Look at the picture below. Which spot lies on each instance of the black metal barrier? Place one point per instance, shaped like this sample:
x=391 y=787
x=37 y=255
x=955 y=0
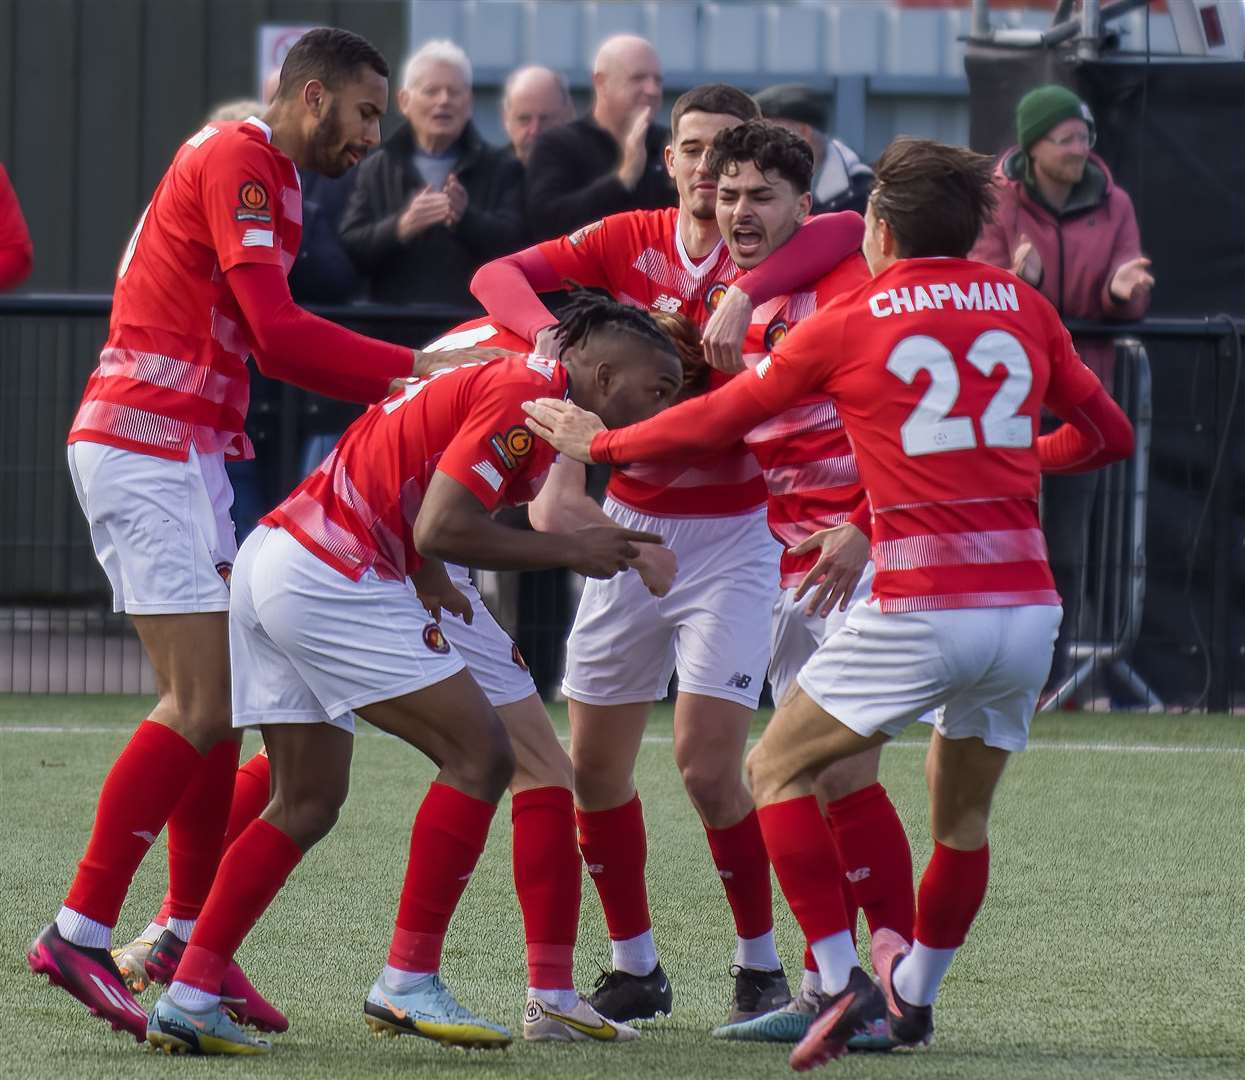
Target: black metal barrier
x=1163 y=623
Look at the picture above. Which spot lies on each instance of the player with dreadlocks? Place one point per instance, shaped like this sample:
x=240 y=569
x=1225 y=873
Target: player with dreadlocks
x=328 y=619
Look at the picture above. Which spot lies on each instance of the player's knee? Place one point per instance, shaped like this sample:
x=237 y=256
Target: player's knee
x=307 y=817
x=763 y=776
x=488 y=766
x=717 y=793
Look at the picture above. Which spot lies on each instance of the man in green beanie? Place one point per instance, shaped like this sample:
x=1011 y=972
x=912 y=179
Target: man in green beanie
x=1064 y=226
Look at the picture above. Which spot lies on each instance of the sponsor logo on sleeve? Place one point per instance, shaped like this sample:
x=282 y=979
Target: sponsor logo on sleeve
x=486 y=471
x=252 y=203
x=512 y=446
x=579 y=235
x=436 y=640
x=714 y=294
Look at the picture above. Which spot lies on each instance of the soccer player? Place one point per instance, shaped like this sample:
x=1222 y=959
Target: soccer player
x=324 y=624
x=625 y=642
x=201 y=284
x=939 y=367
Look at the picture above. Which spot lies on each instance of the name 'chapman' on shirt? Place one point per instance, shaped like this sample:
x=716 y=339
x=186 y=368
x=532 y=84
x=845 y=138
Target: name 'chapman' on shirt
x=978 y=296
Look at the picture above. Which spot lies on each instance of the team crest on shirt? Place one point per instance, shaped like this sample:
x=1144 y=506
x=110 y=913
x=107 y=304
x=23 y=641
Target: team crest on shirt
x=714 y=294
x=517 y=657
x=775 y=332
x=225 y=569
x=435 y=640
x=513 y=445
x=577 y=237
x=252 y=202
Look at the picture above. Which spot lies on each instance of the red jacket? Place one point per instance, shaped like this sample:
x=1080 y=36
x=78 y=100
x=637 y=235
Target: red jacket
x=1081 y=247
x=15 y=249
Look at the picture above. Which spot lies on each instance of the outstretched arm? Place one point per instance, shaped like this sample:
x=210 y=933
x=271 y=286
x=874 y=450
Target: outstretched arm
x=507 y=288
x=300 y=348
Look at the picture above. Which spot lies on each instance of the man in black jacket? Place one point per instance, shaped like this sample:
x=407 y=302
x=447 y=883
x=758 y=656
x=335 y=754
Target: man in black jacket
x=436 y=201
x=611 y=160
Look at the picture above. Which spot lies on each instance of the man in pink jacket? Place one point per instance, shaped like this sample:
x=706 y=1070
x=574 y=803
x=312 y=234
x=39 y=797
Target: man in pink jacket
x=1065 y=227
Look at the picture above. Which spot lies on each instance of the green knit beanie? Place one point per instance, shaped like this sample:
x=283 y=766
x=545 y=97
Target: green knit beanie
x=1041 y=109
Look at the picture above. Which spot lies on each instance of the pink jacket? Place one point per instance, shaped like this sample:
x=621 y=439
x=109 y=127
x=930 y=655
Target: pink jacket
x=1080 y=247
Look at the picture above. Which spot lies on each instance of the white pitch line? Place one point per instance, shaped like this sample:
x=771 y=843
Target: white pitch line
x=666 y=740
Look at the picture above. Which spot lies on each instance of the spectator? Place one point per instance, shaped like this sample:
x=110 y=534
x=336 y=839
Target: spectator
x=533 y=100
x=610 y=161
x=1065 y=227
x=436 y=200
x=16 y=252
x=841 y=181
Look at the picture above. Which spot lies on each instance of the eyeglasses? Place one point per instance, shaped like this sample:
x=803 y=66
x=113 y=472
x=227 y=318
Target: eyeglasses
x=1076 y=138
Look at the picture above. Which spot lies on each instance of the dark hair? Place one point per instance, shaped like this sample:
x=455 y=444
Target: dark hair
x=713 y=98
x=686 y=337
x=768 y=146
x=934 y=197
x=331 y=55
x=588 y=313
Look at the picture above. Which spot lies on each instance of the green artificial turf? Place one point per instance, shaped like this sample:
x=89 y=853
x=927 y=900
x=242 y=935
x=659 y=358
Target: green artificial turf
x=1109 y=946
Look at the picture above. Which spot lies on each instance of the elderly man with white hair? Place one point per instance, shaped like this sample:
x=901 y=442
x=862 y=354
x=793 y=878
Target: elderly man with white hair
x=533 y=100
x=610 y=160
x=435 y=201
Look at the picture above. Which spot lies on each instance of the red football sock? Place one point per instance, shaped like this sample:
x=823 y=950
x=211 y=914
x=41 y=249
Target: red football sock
x=197 y=830
x=446 y=841
x=952 y=890
x=139 y=793
x=251 y=793
x=615 y=850
x=548 y=880
x=876 y=858
x=743 y=866
x=250 y=875
x=802 y=852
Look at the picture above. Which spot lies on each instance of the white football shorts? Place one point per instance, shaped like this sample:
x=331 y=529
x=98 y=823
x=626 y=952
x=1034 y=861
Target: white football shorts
x=980 y=669
x=796 y=635
x=492 y=656
x=307 y=645
x=160 y=528
x=710 y=627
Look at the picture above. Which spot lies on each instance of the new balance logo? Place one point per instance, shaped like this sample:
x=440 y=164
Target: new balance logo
x=667 y=303
x=726 y=875
x=596 y=868
x=202 y=136
x=858 y=875
x=257 y=238
x=762 y=369
x=142 y=834
x=740 y=680
x=486 y=472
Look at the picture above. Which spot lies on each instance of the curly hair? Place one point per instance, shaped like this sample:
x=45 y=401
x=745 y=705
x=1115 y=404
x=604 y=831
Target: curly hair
x=589 y=313
x=686 y=337
x=766 y=145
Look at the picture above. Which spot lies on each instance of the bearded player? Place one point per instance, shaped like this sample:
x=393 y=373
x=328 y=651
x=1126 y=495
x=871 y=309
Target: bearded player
x=626 y=643
x=325 y=624
x=201 y=284
x=939 y=368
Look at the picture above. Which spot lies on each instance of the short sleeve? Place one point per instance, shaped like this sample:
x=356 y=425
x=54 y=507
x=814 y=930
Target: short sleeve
x=241 y=190
x=493 y=454
x=1071 y=382
x=587 y=256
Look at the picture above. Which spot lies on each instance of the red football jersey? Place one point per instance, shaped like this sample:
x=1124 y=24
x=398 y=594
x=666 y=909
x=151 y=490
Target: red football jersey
x=939 y=368
x=804 y=452
x=173 y=373
x=485 y=332
x=356 y=511
x=639 y=258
